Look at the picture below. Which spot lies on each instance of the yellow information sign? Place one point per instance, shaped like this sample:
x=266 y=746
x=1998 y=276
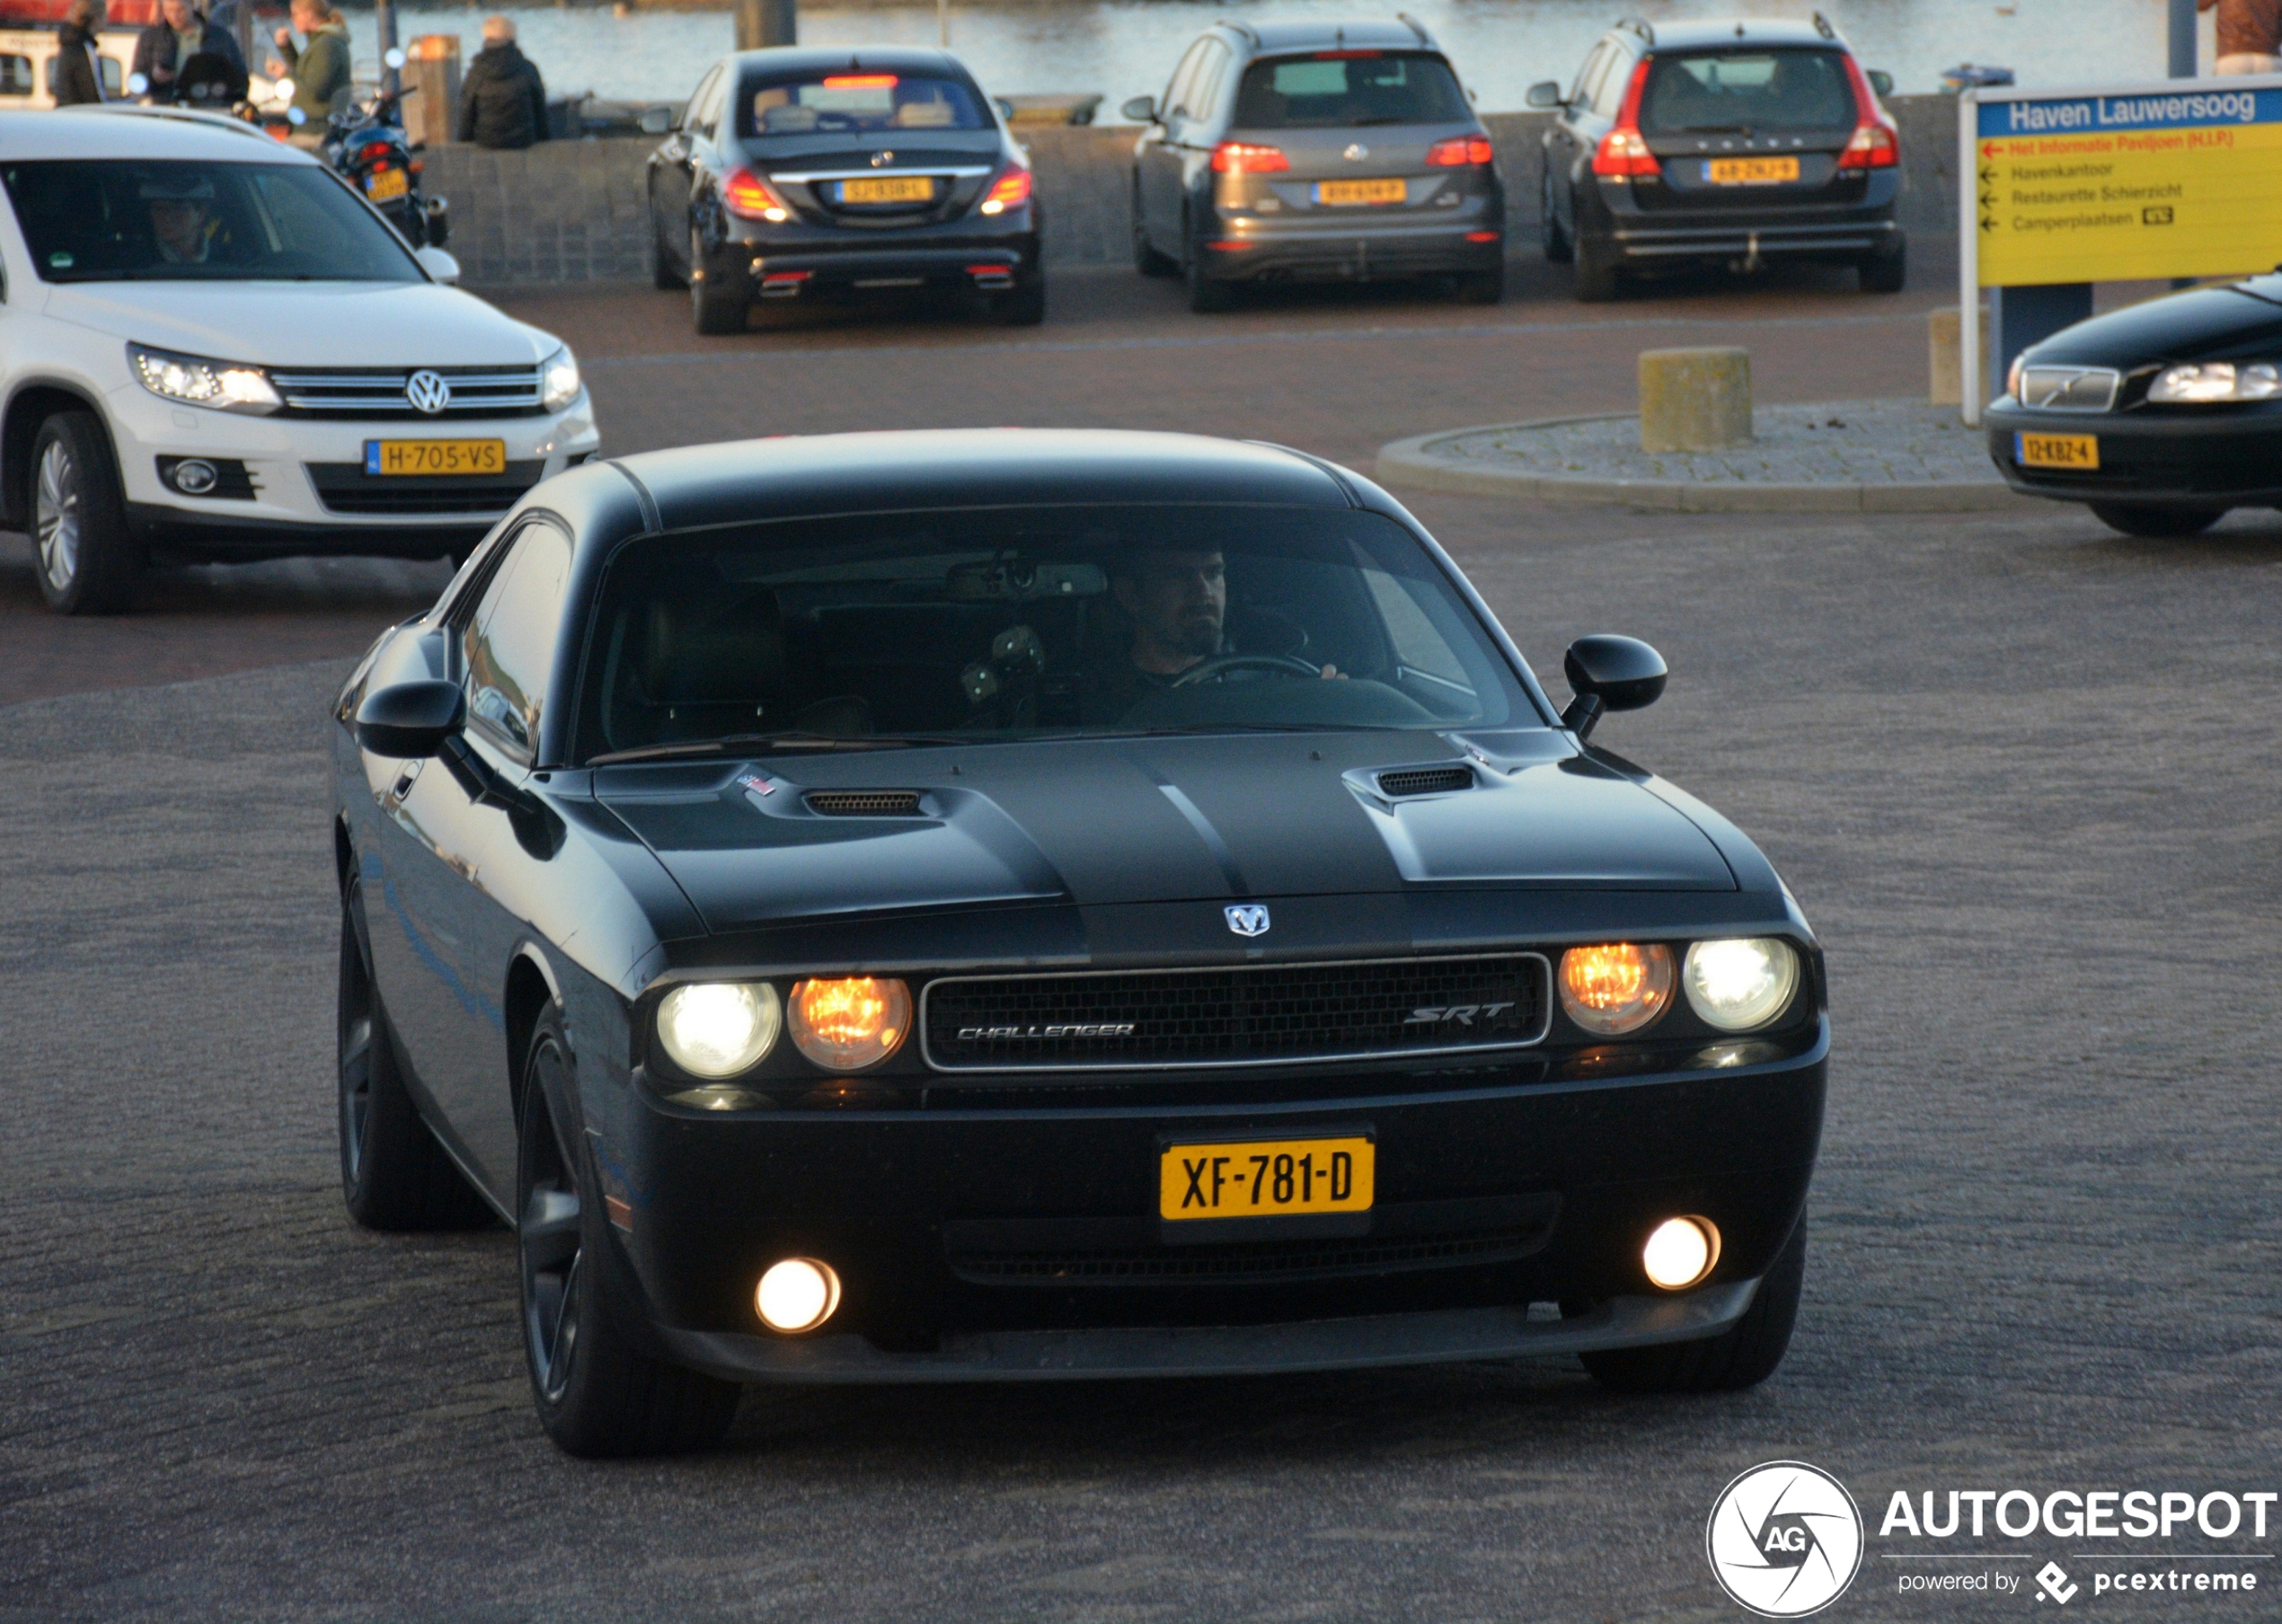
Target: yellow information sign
x=2182 y=179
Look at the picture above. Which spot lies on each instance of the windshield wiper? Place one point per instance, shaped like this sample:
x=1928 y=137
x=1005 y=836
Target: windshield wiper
x=760 y=743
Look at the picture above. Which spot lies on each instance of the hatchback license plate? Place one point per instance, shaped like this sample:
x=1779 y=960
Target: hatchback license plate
x=1361 y=192
x=435 y=456
x=1750 y=172
x=888 y=188
x=383 y=185
x=2071 y=451
x=1265 y=1177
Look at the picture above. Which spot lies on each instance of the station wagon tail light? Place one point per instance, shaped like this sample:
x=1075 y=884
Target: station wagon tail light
x=1459 y=151
x=851 y=1022
x=1624 y=152
x=1874 y=145
x=1010 y=191
x=194 y=381
x=1741 y=983
x=749 y=197
x=2216 y=381
x=1615 y=987
x=719 y=1029
x=1248 y=158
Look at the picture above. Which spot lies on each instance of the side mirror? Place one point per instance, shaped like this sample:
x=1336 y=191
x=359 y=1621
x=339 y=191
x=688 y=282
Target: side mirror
x=438 y=264
x=1545 y=96
x=1882 y=83
x=410 y=720
x=394 y=57
x=657 y=121
x=1005 y=108
x=1609 y=673
x=1141 y=109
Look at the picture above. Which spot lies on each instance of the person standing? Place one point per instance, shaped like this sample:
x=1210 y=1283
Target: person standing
x=2250 y=35
x=78 y=69
x=503 y=102
x=320 y=67
x=179 y=34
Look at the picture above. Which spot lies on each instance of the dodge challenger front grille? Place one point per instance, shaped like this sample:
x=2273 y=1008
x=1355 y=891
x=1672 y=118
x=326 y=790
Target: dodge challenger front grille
x=1248 y=1015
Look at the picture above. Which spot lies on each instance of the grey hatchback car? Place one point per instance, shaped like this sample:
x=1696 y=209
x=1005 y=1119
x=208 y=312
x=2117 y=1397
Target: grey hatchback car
x=1315 y=152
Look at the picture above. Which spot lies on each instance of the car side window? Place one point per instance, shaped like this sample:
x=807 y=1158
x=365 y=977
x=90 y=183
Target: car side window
x=1176 y=89
x=1581 y=94
x=508 y=645
x=1608 y=96
x=1206 y=96
x=697 y=118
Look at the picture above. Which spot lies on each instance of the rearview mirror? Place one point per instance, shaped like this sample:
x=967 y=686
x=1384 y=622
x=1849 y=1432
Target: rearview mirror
x=410 y=720
x=1546 y=95
x=1882 y=83
x=1141 y=109
x=439 y=265
x=1609 y=673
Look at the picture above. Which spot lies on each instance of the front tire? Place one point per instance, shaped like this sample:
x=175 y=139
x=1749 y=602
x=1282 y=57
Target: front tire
x=1558 y=249
x=88 y=564
x=2157 y=523
x=713 y=310
x=1743 y=1356
x=596 y=1394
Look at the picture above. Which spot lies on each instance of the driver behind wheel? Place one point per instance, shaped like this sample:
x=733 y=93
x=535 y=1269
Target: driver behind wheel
x=1178 y=603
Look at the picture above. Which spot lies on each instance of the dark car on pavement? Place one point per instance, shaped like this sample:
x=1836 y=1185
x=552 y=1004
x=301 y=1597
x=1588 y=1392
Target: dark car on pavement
x=2160 y=416
x=985 y=905
x=1742 y=144
x=831 y=174
x=1284 y=152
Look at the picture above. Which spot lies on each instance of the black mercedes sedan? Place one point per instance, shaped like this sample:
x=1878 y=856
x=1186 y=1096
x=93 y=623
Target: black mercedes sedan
x=2160 y=416
x=983 y=906
x=832 y=174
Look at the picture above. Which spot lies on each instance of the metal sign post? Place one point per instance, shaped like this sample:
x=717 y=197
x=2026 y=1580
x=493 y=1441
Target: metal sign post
x=2061 y=189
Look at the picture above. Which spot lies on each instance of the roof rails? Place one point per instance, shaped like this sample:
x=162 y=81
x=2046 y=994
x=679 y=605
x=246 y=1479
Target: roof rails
x=1245 y=29
x=1416 y=28
x=1647 y=34
x=1822 y=27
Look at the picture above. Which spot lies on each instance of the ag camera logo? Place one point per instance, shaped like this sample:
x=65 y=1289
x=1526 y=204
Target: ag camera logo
x=1785 y=1540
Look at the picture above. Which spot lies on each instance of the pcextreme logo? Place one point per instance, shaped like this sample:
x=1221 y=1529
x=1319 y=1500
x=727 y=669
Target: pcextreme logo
x=1784 y=1540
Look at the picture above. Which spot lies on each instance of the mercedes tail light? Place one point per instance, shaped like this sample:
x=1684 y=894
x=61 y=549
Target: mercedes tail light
x=1460 y=151
x=1875 y=144
x=749 y=197
x=1011 y=190
x=1247 y=158
x=1623 y=154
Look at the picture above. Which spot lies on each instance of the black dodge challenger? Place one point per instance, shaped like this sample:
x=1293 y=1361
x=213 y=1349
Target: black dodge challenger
x=973 y=905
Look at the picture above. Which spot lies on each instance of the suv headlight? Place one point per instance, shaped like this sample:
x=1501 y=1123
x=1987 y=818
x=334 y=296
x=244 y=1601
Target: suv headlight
x=194 y=381
x=559 y=380
x=2216 y=381
x=1740 y=982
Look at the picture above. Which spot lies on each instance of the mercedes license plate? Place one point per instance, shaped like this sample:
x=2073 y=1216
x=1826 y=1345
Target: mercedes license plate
x=1750 y=172
x=1361 y=192
x=888 y=188
x=2076 y=451
x=435 y=456
x=1265 y=1177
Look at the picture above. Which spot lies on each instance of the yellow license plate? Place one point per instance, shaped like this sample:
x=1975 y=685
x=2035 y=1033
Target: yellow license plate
x=383 y=184
x=1361 y=192
x=2075 y=451
x=1265 y=1179
x=435 y=456
x=888 y=188
x=1750 y=172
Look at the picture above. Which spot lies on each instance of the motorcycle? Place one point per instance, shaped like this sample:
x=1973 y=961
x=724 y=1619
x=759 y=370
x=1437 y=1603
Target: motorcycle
x=367 y=145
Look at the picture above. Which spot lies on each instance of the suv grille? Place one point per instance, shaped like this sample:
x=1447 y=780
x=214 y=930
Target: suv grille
x=863 y=803
x=1250 y=1016
x=1425 y=780
x=370 y=391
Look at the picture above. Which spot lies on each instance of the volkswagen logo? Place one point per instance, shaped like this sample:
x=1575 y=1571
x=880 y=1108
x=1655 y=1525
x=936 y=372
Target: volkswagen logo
x=882 y=158
x=1784 y=1540
x=429 y=391
x=1246 y=918
x=1356 y=152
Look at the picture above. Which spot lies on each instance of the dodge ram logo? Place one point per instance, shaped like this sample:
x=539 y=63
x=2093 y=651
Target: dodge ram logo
x=1247 y=918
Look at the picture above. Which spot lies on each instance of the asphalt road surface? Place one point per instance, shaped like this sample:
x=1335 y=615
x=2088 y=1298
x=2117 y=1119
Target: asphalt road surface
x=2019 y=771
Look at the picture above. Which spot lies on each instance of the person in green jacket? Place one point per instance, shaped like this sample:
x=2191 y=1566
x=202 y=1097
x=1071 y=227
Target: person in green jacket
x=320 y=68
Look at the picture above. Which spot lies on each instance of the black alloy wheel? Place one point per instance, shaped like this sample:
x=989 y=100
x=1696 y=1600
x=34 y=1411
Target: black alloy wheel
x=1147 y=259
x=1559 y=250
x=2157 y=523
x=1743 y=1356
x=86 y=561
x=597 y=1393
x=715 y=307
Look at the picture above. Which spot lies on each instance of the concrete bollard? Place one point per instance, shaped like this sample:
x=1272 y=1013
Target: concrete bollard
x=1942 y=353
x=1695 y=399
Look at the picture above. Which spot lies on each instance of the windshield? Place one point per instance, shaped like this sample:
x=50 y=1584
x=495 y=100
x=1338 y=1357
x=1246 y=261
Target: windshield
x=1746 y=90
x=1332 y=88
x=861 y=103
x=1022 y=623
x=118 y=220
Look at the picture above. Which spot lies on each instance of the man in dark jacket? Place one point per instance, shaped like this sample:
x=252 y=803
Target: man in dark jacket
x=170 y=43
x=2250 y=35
x=503 y=101
x=77 y=76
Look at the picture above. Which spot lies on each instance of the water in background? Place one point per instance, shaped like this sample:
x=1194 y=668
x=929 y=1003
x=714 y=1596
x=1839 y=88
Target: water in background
x=1126 y=47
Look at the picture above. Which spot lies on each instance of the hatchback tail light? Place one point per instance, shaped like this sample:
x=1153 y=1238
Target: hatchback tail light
x=749 y=197
x=1010 y=191
x=1875 y=144
x=1245 y=158
x=371 y=150
x=1459 y=151
x=1624 y=152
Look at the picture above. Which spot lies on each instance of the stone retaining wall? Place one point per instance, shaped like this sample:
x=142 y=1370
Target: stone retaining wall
x=572 y=211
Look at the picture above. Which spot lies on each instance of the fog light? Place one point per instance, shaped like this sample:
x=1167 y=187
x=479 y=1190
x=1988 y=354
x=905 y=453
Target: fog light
x=1680 y=1253
x=797 y=1295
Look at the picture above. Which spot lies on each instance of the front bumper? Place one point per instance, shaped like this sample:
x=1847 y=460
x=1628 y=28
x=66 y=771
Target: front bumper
x=2188 y=458
x=1023 y=1241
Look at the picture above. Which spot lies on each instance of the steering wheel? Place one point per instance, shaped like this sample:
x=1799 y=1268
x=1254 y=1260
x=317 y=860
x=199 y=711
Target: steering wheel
x=1213 y=670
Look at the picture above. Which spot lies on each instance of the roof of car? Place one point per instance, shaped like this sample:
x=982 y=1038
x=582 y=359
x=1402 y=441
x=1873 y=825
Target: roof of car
x=1330 y=35
x=1741 y=30
x=802 y=475
x=122 y=132
x=849 y=60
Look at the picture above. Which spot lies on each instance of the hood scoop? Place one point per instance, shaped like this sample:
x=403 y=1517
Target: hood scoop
x=1398 y=781
x=863 y=803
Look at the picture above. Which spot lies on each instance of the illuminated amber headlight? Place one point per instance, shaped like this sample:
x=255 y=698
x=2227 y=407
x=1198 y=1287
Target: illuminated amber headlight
x=850 y=1023
x=1741 y=983
x=718 y=1029
x=1615 y=987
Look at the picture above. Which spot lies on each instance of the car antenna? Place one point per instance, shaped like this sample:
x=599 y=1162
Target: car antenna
x=1822 y=27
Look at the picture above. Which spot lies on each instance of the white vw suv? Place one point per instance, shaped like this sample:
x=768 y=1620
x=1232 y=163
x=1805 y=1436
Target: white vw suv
x=212 y=349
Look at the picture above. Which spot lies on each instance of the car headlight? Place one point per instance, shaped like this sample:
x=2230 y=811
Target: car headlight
x=1615 y=987
x=559 y=380
x=2216 y=381
x=194 y=381
x=1741 y=983
x=852 y=1022
x=718 y=1029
